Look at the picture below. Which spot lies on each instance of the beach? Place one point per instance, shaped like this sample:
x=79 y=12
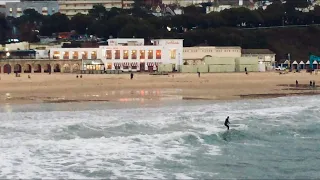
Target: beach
x=59 y=88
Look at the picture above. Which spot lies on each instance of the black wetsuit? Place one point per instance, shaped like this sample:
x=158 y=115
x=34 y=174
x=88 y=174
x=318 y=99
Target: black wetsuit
x=226 y=123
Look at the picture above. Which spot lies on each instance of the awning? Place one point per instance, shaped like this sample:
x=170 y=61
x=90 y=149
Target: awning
x=295 y=62
x=134 y=64
x=117 y=64
x=315 y=62
x=301 y=62
x=125 y=63
x=308 y=62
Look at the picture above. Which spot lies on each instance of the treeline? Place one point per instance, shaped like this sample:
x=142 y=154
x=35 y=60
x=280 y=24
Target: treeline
x=226 y=28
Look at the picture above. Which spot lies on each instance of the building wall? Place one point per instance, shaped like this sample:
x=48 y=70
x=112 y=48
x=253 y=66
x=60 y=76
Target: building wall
x=268 y=59
x=16 y=9
x=2 y=9
x=196 y=55
x=73 y=7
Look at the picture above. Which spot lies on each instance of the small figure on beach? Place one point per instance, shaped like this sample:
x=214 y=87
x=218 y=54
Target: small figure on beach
x=29 y=76
x=198 y=74
x=314 y=83
x=77 y=76
x=297 y=83
x=310 y=83
x=131 y=76
x=245 y=70
x=226 y=122
x=81 y=76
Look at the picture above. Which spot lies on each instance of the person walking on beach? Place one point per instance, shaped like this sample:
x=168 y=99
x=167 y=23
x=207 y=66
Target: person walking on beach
x=131 y=76
x=226 y=122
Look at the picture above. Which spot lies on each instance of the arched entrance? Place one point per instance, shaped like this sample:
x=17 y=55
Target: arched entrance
x=27 y=68
x=7 y=68
x=37 y=68
x=47 y=68
x=17 y=68
x=56 y=68
x=76 y=68
x=66 y=68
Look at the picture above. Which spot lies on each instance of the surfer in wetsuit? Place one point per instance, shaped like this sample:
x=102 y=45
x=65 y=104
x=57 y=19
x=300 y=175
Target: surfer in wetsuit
x=226 y=122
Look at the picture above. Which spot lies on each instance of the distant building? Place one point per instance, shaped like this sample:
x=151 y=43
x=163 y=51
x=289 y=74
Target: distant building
x=73 y=7
x=125 y=55
x=264 y=55
x=16 y=9
x=185 y=3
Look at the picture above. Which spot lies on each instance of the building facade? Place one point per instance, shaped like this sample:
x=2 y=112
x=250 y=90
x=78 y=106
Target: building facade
x=264 y=55
x=15 y=9
x=73 y=7
x=185 y=3
x=196 y=55
x=127 y=54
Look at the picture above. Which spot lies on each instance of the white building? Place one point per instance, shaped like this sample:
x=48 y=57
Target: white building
x=73 y=7
x=127 y=54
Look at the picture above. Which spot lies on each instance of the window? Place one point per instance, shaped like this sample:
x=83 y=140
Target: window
x=94 y=55
x=117 y=54
x=85 y=55
x=133 y=54
x=125 y=54
x=53 y=10
x=10 y=10
x=19 y=10
x=173 y=53
x=108 y=54
x=56 y=55
x=109 y=66
x=150 y=54
x=66 y=55
x=75 y=55
x=158 y=54
x=142 y=54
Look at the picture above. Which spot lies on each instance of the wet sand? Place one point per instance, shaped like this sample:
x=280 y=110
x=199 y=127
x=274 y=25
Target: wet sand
x=61 y=88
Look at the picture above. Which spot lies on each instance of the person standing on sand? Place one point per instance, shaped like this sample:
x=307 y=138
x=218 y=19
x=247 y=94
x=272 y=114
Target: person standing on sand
x=226 y=122
x=245 y=69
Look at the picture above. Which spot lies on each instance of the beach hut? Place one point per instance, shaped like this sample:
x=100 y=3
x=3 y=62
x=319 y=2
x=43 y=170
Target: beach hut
x=286 y=64
x=295 y=65
x=307 y=65
x=315 y=65
x=301 y=65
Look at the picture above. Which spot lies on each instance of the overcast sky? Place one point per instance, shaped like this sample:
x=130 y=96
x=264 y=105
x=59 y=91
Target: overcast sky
x=4 y=1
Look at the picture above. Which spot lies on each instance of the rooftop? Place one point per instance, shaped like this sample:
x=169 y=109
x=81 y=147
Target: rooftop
x=256 y=51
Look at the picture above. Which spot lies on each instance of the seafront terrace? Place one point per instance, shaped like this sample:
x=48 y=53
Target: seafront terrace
x=39 y=66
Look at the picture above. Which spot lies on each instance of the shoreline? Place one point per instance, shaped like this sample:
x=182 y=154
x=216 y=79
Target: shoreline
x=66 y=88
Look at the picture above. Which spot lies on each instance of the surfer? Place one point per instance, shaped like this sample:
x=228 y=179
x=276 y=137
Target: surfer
x=226 y=122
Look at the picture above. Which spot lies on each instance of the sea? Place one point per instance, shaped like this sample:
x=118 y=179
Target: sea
x=268 y=139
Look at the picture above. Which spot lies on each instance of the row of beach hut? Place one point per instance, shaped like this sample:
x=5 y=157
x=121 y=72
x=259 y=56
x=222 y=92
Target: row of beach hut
x=301 y=64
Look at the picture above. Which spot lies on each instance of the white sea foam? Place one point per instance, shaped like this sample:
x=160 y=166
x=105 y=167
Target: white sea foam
x=147 y=143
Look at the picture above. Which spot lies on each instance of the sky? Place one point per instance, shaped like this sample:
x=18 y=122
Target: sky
x=4 y=1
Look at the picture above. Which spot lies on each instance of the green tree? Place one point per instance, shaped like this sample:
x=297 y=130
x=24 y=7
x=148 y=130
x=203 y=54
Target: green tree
x=80 y=23
x=98 y=12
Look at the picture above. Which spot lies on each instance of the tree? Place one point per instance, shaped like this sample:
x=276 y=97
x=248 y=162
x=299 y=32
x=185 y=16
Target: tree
x=80 y=23
x=98 y=12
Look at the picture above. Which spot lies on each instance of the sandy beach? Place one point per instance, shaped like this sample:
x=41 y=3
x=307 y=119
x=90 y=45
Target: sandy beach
x=44 y=88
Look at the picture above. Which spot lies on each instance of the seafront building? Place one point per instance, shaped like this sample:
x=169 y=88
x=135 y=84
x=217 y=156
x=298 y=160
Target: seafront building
x=126 y=55
x=73 y=7
x=15 y=9
x=134 y=55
